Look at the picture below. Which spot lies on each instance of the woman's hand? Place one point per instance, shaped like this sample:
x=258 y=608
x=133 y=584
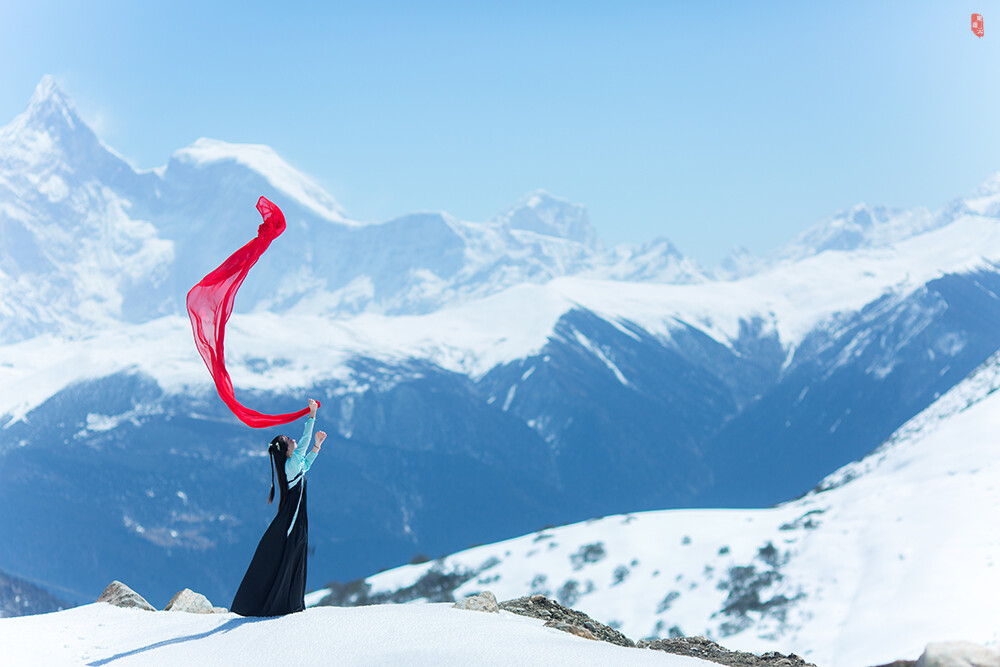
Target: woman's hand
x=320 y=437
x=313 y=407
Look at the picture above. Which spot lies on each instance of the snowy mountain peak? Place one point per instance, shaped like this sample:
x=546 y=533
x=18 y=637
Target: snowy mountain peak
x=49 y=102
x=990 y=186
x=50 y=113
x=861 y=226
x=49 y=134
x=846 y=230
x=543 y=213
x=739 y=263
x=266 y=162
x=48 y=90
x=985 y=200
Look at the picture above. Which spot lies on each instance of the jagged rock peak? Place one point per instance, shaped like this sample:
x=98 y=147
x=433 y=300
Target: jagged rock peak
x=544 y=213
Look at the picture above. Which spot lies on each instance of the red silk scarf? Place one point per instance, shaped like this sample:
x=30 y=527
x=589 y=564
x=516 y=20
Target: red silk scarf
x=210 y=303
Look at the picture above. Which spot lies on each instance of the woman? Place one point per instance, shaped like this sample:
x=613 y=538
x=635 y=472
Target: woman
x=275 y=582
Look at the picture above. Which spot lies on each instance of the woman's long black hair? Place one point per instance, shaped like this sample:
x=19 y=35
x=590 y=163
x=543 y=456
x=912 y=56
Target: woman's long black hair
x=279 y=454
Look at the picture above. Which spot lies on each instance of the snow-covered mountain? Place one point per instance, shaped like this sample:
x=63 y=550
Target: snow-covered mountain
x=71 y=257
x=544 y=214
x=864 y=226
x=479 y=380
x=886 y=554
x=860 y=227
x=87 y=240
x=21 y=598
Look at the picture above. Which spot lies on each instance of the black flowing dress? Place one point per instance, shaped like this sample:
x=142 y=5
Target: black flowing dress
x=275 y=582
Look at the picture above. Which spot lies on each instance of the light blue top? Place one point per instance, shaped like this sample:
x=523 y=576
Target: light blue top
x=300 y=461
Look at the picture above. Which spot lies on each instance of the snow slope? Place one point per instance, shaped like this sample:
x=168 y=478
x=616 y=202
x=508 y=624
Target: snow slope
x=891 y=552
x=99 y=634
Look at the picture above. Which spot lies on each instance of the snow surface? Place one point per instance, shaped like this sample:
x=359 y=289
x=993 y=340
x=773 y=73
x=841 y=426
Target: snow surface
x=421 y=634
x=900 y=549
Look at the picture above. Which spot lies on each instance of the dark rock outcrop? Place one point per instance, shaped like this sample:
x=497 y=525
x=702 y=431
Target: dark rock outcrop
x=577 y=630
x=568 y=620
x=576 y=622
x=706 y=649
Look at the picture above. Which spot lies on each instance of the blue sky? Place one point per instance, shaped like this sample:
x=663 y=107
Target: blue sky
x=712 y=124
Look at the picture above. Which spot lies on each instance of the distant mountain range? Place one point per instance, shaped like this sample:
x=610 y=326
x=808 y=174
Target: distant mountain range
x=21 y=598
x=103 y=242
x=479 y=380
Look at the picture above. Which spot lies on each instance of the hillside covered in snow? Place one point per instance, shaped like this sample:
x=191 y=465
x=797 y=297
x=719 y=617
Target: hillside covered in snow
x=888 y=553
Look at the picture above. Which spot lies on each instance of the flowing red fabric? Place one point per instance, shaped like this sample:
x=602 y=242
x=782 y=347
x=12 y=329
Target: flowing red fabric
x=210 y=303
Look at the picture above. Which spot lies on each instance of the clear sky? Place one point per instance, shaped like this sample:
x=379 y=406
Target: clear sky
x=710 y=123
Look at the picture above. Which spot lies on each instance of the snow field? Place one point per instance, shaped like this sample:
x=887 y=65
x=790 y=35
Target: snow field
x=418 y=635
